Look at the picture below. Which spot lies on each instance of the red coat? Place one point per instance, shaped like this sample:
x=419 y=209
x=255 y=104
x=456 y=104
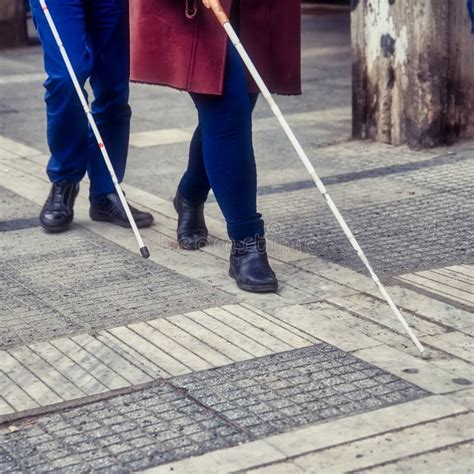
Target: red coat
x=189 y=54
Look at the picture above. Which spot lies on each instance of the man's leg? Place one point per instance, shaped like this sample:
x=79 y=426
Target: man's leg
x=67 y=128
x=109 y=42
x=66 y=122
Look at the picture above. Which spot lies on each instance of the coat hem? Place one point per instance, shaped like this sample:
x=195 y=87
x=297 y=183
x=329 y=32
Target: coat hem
x=185 y=89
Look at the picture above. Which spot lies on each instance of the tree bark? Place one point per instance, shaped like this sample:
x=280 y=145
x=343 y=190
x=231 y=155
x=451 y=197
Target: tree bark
x=12 y=23
x=413 y=71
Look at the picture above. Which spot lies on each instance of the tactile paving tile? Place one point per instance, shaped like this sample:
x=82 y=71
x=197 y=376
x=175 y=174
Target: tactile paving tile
x=16 y=213
x=202 y=412
x=398 y=237
x=55 y=285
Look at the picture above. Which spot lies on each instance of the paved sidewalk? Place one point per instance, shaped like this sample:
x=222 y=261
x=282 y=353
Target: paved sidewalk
x=110 y=363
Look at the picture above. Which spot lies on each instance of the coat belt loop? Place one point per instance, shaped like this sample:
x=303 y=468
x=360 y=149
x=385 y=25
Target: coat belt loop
x=191 y=11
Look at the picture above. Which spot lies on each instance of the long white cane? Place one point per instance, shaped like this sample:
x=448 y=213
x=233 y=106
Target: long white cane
x=143 y=249
x=224 y=20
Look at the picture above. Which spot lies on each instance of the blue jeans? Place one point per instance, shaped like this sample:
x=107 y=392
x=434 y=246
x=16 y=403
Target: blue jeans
x=221 y=153
x=95 y=34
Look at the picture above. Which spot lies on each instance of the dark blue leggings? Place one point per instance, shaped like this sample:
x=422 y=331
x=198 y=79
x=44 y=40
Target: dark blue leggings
x=221 y=154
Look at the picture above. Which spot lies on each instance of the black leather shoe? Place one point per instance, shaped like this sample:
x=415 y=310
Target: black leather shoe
x=58 y=210
x=250 y=268
x=192 y=231
x=110 y=209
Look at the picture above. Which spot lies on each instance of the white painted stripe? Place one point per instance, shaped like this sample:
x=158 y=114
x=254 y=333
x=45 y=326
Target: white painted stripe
x=22 y=78
x=160 y=137
x=172 y=136
x=16 y=148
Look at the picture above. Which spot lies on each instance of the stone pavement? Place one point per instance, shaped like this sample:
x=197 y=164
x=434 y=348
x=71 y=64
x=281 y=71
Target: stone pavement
x=109 y=363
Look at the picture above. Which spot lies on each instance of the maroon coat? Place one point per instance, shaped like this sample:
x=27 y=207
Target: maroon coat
x=189 y=54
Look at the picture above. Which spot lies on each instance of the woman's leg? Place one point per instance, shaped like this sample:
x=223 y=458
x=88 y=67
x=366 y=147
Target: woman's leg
x=194 y=185
x=227 y=151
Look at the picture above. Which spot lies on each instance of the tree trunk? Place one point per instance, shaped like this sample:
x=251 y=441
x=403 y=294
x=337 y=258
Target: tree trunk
x=12 y=23
x=413 y=71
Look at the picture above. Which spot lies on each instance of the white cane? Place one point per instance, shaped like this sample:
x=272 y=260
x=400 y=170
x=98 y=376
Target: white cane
x=224 y=20
x=143 y=249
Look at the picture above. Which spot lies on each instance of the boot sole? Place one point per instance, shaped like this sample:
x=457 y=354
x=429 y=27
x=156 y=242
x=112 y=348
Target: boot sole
x=193 y=246
x=57 y=229
x=126 y=225
x=254 y=288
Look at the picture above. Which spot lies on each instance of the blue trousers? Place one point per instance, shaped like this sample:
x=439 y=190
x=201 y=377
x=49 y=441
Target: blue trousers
x=221 y=154
x=95 y=34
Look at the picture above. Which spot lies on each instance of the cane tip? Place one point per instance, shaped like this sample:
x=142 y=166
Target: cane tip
x=145 y=252
x=425 y=354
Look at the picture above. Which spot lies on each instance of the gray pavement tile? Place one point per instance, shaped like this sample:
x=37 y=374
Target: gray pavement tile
x=77 y=282
x=398 y=237
x=166 y=434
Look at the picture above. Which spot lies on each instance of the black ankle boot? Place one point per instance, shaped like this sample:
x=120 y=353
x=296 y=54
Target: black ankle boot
x=192 y=231
x=58 y=210
x=109 y=209
x=250 y=268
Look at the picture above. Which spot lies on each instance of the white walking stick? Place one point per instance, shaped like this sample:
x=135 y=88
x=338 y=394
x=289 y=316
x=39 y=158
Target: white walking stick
x=143 y=249
x=224 y=20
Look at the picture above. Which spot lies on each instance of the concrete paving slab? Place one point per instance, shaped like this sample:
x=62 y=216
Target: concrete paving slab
x=322 y=436
x=208 y=410
x=386 y=448
x=425 y=373
x=456 y=459
x=455 y=286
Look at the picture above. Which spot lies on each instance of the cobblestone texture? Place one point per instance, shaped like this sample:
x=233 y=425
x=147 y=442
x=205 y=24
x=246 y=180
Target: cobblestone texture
x=443 y=172
x=457 y=178
x=61 y=284
x=205 y=411
x=398 y=237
